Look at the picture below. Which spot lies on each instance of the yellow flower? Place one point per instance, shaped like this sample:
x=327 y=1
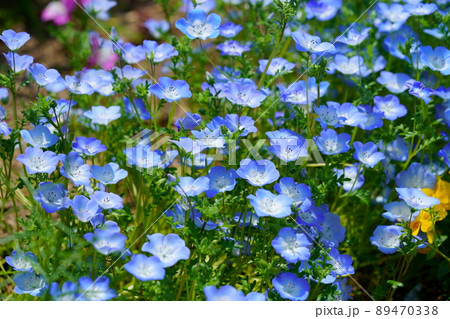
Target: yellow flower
x=424 y=221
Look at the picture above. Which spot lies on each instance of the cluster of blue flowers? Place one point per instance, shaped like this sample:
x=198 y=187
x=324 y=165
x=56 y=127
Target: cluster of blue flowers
x=266 y=194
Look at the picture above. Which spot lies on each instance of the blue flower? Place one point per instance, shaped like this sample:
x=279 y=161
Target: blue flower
x=190 y=187
x=210 y=138
x=145 y=268
x=77 y=86
x=258 y=173
x=367 y=153
x=421 y=9
x=157 y=27
x=38 y=161
x=310 y=43
x=419 y=90
x=313 y=216
x=230 y=30
x=189 y=145
x=170 y=90
x=394 y=82
x=75 y=169
x=99 y=222
x=169 y=249
x=390 y=107
x=416 y=176
x=106 y=241
x=245 y=124
x=329 y=115
x=53 y=197
x=322 y=10
x=332 y=232
x=39 y=136
x=107 y=200
x=289 y=149
x=350 y=172
x=331 y=143
x=178 y=216
x=342 y=264
x=220 y=180
x=42 y=76
x=29 y=283
x=18 y=63
x=21 y=261
x=128 y=72
x=99 y=8
x=232 y=48
x=14 y=41
x=84 y=208
x=88 y=145
x=255 y=296
x=437 y=59
x=291 y=245
x=299 y=192
x=246 y=219
x=198 y=25
x=157 y=53
x=103 y=115
x=96 y=290
x=244 y=94
x=391 y=17
x=68 y=291
x=445 y=154
x=349 y=114
x=399 y=211
x=289 y=286
x=416 y=198
x=137 y=105
x=387 y=238
x=277 y=65
x=224 y=293
x=111 y=173
x=189 y=121
x=398 y=150
x=349 y=66
x=354 y=37
x=133 y=53
x=267 y=204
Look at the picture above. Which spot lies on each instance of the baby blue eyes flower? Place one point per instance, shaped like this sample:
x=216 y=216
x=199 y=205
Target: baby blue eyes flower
x=210 y=138
x=258 y=173
x=291 y=287
x=351 y=172
x=421 y=9
x=391 y=17
x=157 y=53
x=145 y=268
x=18 y=63
x=190 y=187
x=437 y=59
x=97 y=290
x=77 y=86
x=170 y=90
x=328 y=115
x=310 y=43
x=416 y=176
x=289 y=150
x=417 y=199
x=244 y=94
x=103 y=115
x=232 y=48
x=29 y=283
x=137 y=105
x=68 y=291
x=298 y=192
x=108 y=174
x=168 y=249
x=331 y=143
x=14 y=41
x=100 y=8
x=445 y=154
x=157 y=27
x=394 y=82
x=267 y=204
x=291 y=246
x=42 y=76
x=38 y=161
x=387 y=238
x=332 y=232
x=39 y=136
x=418 y=89
x=276 y=66
x=224 y=293
x=106 y=241
x=354 y=37
x=349 y=66
x=189 y=121
x=399 y=211
x=220 y=180
x=342 y=264
x=230 y=30
x=128 y=72
x=88 y=146
x=84 y=208
x=198 y=25
x=390 y=107
x=53 y=197
x=367 y=153
x=133 y=53
x=245 y=124
x=75 y=169
x=107 y=200
x=21 y=261
x=322 y=10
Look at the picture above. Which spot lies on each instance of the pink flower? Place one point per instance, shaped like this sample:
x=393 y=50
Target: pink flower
x=102 y=52
x=60 y=11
